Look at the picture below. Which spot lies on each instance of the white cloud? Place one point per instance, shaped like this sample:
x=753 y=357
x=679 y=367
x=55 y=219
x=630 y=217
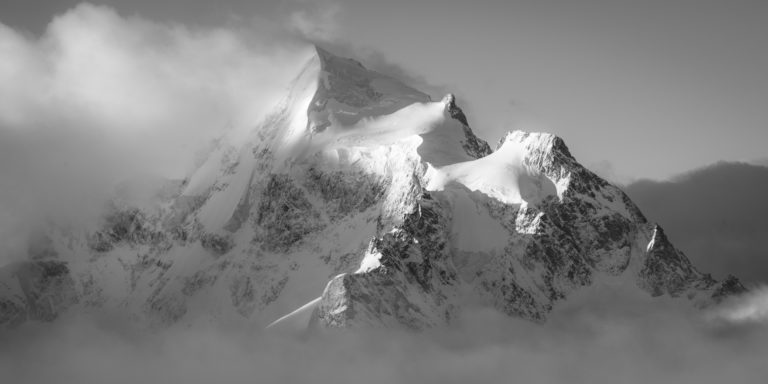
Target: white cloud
x=750 y=308
x=130 y=76
x=99 y=97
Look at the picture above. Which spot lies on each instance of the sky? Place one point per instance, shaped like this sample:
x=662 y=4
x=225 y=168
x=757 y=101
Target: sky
x=638 y=90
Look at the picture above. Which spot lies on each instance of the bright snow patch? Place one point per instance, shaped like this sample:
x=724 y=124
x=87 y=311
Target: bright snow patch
x=296 y=320
x=501 y=175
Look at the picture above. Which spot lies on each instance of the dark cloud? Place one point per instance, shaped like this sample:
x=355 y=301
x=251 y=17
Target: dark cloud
x=717 y=215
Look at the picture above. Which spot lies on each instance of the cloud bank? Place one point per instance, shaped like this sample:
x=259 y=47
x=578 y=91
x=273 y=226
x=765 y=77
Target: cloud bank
x=600 y=336
x=716 y=215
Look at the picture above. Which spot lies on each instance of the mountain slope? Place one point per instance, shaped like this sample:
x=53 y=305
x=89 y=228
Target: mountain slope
x=358 y=202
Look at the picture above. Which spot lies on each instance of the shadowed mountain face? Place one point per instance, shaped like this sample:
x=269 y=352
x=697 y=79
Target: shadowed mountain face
x=358 y=202
x=717 y=215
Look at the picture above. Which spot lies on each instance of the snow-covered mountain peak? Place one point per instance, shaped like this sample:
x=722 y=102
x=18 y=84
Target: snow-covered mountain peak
x=539 y=142
x=348 y=92
x=329 y=60
x=449 y=99
x=358 y=201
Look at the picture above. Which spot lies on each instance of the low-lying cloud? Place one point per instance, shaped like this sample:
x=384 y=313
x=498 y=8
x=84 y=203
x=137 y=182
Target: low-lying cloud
x=600 y=336
x=716 y=215
x=748 y=309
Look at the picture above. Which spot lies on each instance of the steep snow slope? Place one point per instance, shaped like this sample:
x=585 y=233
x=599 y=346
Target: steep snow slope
x=501 y=175
x=359 y=201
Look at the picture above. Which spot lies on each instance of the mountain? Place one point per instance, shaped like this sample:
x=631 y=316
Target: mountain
x=358 y=202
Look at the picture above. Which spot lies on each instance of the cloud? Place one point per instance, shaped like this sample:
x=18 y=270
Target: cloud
x=716 y=215
x=94 y=71
x=750 y=308
x=100 y=97
x=599 y=336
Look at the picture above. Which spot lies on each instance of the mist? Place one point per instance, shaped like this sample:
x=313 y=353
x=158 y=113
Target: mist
x=599 y=336
x=101 y=97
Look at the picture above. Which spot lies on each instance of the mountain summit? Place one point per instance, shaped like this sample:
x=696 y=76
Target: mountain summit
x=358 y=202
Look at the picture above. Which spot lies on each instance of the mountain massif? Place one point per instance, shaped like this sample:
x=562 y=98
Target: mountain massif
x=357 y=202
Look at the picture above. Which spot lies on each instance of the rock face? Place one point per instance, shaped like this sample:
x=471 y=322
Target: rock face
x=35 y=290
x=372 y=205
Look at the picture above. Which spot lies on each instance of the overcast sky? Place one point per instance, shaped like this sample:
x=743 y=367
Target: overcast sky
x=639 y=89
